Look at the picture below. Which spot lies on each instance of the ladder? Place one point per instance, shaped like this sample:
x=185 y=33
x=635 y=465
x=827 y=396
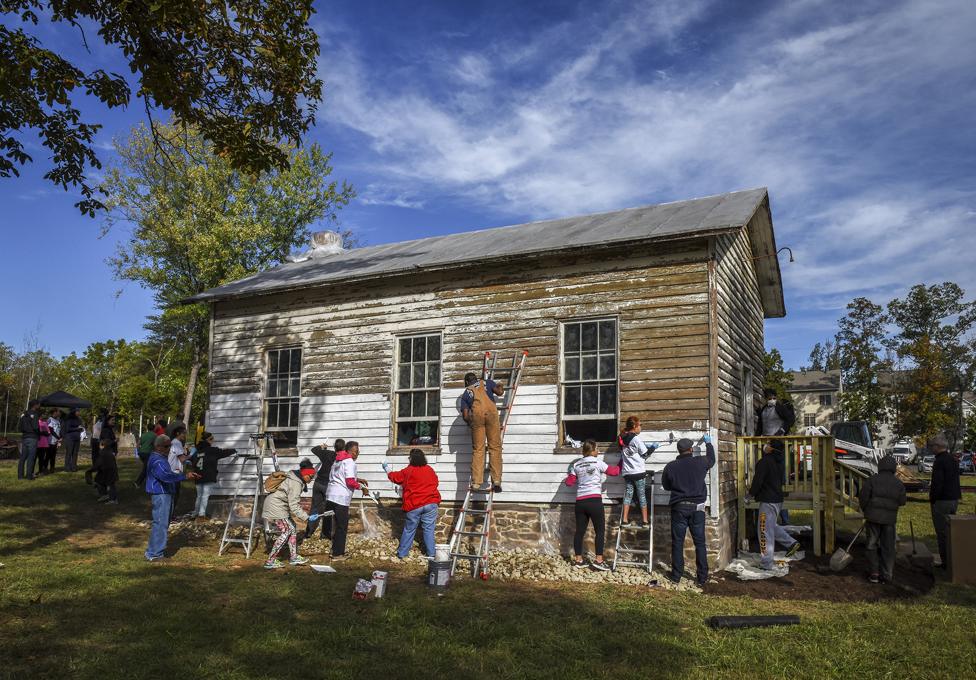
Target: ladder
x=249 y=487
x=635 y=556
x=477 y=505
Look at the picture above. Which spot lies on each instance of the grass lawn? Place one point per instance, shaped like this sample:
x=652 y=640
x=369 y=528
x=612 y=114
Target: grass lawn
x=78 y=600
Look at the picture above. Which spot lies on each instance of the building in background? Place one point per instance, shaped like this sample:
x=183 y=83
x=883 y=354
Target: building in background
x=816 y=397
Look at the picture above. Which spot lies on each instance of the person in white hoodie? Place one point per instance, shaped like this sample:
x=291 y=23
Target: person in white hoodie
x=586 y=474
x=633 y=467
x=338 y=497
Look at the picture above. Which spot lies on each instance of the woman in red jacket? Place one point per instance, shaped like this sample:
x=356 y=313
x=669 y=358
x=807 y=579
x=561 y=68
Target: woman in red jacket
x=420 y=500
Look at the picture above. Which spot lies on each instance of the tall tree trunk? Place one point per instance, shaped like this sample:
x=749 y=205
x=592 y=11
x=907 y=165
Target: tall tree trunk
x=192 y=385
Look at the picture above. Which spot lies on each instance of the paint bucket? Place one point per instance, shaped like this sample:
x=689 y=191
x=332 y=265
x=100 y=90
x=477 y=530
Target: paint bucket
x=379 y=583
x=442 y=552
x=362 y=589
x=438 y=574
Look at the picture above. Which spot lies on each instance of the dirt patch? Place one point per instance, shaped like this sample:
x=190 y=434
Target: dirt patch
x=812 y=579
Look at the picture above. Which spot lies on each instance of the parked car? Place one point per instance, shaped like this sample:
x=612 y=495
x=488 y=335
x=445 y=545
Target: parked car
x=904 y=452
x=966 y=463
x=925 y=465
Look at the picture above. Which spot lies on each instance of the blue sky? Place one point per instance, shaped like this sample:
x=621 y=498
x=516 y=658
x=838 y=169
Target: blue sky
x=451 y=116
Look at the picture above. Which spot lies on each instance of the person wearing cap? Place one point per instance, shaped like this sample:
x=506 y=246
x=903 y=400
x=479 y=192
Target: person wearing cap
x=282 y=506
x=161 y=484
x=205 y=485
x=684 y=477
x=944 y=492
x=767 y=488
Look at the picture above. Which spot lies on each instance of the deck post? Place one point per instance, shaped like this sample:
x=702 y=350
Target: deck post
x=816 y=495
x=740 y=480
x=831 y=499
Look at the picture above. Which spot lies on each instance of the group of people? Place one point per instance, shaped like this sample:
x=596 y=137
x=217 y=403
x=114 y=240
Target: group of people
x=42 y=433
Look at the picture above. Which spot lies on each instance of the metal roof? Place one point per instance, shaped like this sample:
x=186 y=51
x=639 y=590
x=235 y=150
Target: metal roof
x=665 y=221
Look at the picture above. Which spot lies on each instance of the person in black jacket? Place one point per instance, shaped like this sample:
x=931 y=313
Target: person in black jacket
x=30 y=432
x=880 y=497
x=205 y=485
x=106 y=442
x=767 y=488
x=105 y=467
x=944 y=492
x=71 y=428
x=775 y=418
x=326 y=459
x=684 y=477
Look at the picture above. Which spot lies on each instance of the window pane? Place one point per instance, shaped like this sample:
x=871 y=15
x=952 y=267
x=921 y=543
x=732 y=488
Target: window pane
x=405 y=350
x=403 y=405
x=433 y=348
x=403 y=379
x=572 y=368
x=608 y=365
x=273 y=419
x=293 y=422
x=571 y=338
x=433 y=375
x=272 y=362
x=434 y=403
x=295 y=387
x=296 y=360
x=608 y=335
x=591 y=399
x=419 y=404
x=588 y=337
x=608 y=399
x=571 y=400
x=418 y=372
x=419 y=349
x=272 y=388
x=589 y=368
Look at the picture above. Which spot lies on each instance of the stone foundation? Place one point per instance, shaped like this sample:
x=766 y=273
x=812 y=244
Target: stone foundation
x=548 y=528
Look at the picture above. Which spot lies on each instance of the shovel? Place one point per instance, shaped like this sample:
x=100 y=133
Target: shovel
x=842 y=558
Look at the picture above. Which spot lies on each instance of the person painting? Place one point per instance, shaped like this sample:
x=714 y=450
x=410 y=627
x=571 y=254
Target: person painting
x=281 y=507
x=684 y=477
x=342 y=483
x=320 y=488
x=420 y=501
x=767 y=489
x=880 y=497
x=481 y=414
x=586 y=474
x=633 y=467
x=208 y=480
x=161 y=483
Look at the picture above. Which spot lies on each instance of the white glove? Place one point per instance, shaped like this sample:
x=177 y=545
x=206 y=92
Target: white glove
x=386 y=466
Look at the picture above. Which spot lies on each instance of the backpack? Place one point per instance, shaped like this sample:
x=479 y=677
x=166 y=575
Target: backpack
x=274 y=480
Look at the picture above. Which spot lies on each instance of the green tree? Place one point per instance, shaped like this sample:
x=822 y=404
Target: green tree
x=969 y=440
x=196 y=222
x=861 y=343
x=241 y=72
x=775 y=376
x=932 y=323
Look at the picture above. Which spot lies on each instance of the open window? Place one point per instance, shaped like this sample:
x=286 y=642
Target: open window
x=282 y=388
x=588 y=380
x=418 y=391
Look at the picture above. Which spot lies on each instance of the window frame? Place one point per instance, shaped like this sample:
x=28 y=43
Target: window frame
x=827 y=400
x=747 y=397
x=296 y=398
x=561 y=377
x=396 y=390
x=809 y=420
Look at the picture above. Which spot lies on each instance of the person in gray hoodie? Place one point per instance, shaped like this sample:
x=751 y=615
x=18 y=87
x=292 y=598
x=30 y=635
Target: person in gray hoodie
x=281 y=506
x=880 y=497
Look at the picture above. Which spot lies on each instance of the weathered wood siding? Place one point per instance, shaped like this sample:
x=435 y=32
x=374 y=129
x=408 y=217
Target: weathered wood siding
x=739 y=325
x=660 y=296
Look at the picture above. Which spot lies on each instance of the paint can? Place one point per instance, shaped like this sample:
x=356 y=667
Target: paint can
x=361 y=591
x=442 y=552
x=438 y=574
x=379 y=583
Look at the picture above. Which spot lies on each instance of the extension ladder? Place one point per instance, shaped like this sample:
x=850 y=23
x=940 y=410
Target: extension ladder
x=634 y=554
x=477 y=505
x=249 y=487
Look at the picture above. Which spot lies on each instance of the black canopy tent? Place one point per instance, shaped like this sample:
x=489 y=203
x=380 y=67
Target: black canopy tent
x=64 y=400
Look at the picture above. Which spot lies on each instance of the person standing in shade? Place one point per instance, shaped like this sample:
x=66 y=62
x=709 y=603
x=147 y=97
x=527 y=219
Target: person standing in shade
x=684 y=477
x=72 y=429
x=144 y=449
x=160 y=484
x=420 y=501
x=945 y=492
x=767 y=488
x=30 y=433
x=54 y=438
x=880 y=497
x=320 y=488
x=211 y=456
x=177 y=456
x=96 y=433
x=481 y=414
x=107 y=442
x=43 y=443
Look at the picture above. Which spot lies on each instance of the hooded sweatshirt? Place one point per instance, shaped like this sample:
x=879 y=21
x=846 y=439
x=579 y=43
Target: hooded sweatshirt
x=342 y=479
x=211 y=454
x=633 y=454
x=882 y=494
x=419 y=484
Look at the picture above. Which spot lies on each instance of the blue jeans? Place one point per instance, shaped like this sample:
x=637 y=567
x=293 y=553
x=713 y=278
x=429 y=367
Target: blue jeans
x=426 y=517
x=28 y=455
x=684 y=516
x=161 y=505
x=203 y=497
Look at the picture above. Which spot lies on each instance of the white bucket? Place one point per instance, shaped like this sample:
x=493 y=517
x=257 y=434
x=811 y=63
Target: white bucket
x=379 y=583
x=442 y=552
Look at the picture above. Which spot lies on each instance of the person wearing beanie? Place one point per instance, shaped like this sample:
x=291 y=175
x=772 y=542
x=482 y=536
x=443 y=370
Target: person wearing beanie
x=281 y=507
x=684 y=477
x=767 y=488
x=880 y=497
x=945 y=492
x=205 y=485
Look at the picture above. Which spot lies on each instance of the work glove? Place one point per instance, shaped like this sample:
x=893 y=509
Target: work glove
x=386 y=466
x=707 y=439
x=314 y=516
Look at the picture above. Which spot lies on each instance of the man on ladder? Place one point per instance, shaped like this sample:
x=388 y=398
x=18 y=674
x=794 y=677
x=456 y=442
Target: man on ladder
x=481 y=414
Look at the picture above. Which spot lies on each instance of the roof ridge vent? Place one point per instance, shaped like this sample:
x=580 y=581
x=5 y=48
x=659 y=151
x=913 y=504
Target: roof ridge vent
x=321 y=244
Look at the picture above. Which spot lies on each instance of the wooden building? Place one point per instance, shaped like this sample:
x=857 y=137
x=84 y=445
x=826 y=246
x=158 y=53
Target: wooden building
x=655 y=311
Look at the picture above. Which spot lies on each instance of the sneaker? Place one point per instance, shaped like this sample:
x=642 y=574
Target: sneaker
x=874 y=578
x=111 y=502
x=674 y=578
x=794 y=549
x=298 y=561
x=102 y=499
x=161 y=558
x=600 y=566
x=274 y=564
x=579 y=565
x=483 y=488
x=339 y=558
x=630 y=525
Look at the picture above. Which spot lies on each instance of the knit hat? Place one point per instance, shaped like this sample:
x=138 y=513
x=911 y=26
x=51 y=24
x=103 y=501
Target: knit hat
x=685 y=444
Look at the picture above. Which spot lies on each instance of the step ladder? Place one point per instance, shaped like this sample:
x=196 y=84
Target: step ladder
x=628 y=554
x=248 y=488
x=476 y=509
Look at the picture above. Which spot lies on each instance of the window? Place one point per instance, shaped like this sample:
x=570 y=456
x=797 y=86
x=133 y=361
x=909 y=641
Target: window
x=589 y=379
x=809 y=420
x=281 y=393
x=826 y=400
x=418 y=390
x=747 y=400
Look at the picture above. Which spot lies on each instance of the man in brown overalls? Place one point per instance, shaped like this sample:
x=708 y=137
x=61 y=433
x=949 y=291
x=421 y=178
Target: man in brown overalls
x=481 y=414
